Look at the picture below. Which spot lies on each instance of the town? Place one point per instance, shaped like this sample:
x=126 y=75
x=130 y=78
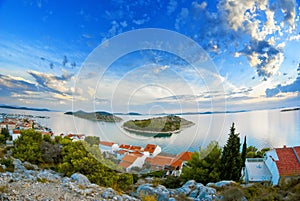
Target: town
x=276 y=164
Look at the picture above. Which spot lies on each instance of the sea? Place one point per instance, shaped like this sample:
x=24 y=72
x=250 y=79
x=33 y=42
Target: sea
x=263 y=128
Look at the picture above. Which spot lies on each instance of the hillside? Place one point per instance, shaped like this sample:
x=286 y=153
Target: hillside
x=95 y=116
x=167 y=124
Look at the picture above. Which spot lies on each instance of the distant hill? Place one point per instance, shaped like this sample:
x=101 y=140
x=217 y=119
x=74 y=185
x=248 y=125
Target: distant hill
x=291 y=109
x=24 y=108
x=95 y=116
x=129 y=113
x=167 y=124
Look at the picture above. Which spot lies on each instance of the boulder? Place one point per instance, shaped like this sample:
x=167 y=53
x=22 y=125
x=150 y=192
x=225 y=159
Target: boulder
x=145 y=189
x=109 y=193
x=80 y=179
x=18 y=166
x=48 y=176
x=224 y=183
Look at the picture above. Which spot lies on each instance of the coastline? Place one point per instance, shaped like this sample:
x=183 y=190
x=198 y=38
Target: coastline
x=151 y=132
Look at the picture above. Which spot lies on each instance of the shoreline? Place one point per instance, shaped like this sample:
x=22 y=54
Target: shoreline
x=151 y=132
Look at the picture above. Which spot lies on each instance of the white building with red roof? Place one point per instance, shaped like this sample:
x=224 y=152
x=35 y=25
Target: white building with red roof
x=109 y=147
x=132 y=160
x=152 y=150
x=277 y=163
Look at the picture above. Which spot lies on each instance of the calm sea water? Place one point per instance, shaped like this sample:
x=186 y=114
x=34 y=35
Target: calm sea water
x=266 y=128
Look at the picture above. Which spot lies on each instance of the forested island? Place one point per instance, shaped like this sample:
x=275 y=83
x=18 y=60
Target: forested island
x=167 y=124
x=95 y=116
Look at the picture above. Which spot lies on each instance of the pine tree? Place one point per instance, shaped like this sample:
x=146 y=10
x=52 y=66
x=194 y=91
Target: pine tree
x=230 y=167
x=244 y=152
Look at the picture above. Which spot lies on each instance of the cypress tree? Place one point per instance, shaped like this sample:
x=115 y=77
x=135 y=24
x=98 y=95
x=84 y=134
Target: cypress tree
x=230 y=167
x=244 y=152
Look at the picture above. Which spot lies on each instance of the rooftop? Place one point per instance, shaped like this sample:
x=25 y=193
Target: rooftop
x=288 y=163
x=105 y=143
x=150 y=148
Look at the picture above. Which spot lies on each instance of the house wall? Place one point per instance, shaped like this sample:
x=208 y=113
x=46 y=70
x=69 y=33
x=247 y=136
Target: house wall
x=156 y=151
x=139 y=162
x=271 y=164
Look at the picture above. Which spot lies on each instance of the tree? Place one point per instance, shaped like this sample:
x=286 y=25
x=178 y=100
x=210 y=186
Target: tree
x=27 y=146
x=5 y=133
x=92 y=140
x=204 y=165
x=244 y=152
x=230 y=168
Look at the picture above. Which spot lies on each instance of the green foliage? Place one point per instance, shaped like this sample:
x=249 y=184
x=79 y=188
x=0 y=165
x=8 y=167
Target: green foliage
x=27 y=146
x=8 y=162
x=231 y=158
x=233 y=194
x=244 y=152
x=253 y=152
x=2 y=139
x=51 y=153
x=173 y=182
x=92 y=140
x=5 y=133
x=204 y=165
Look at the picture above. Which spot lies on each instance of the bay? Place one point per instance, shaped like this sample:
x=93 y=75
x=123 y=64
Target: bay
x=263 y=128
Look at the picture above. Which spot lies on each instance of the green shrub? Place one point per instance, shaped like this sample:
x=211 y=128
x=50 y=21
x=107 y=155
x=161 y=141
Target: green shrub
x=8 y=162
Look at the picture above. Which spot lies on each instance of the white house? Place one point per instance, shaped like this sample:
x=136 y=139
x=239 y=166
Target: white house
x=152 y=150
x=132 y=160
x=277 y=163
x=109 y=147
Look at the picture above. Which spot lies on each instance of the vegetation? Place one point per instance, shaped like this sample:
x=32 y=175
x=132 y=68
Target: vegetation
x=92 y=140
x=204 y=165
x=69 y=157
x=96 y=116
x=231 y=158
x=244 y=152
x=4 y=135
x=159 y=124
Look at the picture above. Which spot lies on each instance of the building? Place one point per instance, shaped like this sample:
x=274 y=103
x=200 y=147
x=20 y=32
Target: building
x=132 y=160
x=277 y=164
x=152 y=150
x=109 y=147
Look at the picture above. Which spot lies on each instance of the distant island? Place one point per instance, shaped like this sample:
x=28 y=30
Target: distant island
x=95 y=116
x=162 y=125
x=129 y=113
x=290 y=109
x=24 y=108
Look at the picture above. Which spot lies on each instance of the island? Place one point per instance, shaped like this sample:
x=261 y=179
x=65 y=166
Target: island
x=95 y=116
x=290 y=109
x=158 y=125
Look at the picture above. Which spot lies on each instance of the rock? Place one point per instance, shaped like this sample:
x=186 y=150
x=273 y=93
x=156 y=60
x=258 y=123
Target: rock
x=190 y=184
x=194 y=193
x=109 y=193
x=48 y=176
x=224 y=183
x=18 y=166
x=207 y=193
x=172 y=199
x=145 y=189
x=80 y=179
x=162 y=193
x=118 y=198
x=30 y=166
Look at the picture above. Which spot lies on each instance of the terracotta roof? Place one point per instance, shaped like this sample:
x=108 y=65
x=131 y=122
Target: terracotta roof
x=124 y=146
x=122 y=152
x=137 y=148
x=137 y=153
x=16 y=131
x=124 y=164
x=184 y=156
x=160 y=160
x=288 y=164
x=176 y=163
x=105 y=143
x=129 y=158
x=150 y=148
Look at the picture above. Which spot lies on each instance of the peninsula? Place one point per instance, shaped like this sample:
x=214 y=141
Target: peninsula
x=162 y=125
x=95 y=116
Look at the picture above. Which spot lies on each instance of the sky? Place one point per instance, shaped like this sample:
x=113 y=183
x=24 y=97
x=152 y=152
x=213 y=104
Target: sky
x=195 y=55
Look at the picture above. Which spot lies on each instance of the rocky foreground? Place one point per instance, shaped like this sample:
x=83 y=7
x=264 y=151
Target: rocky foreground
x=28 y=182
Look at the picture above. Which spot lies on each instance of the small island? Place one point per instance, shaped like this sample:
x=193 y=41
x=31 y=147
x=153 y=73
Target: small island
x=95 y=116
x=290 y=109
x=160 y=125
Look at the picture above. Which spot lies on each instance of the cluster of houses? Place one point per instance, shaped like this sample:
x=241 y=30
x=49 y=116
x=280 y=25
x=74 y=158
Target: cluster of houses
x=277 y=164
x=148 y=158
x=14 y=125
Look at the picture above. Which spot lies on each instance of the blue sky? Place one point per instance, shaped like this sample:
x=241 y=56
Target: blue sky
x=253 y=48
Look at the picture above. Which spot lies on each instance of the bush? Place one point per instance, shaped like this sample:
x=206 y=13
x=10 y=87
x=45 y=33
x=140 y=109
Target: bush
x=8 y=162
x=233 y=194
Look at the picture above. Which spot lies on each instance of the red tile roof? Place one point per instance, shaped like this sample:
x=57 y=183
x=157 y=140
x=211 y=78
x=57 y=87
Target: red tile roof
x=288 y=164
x=124 y=164
x=150 y=148
x=105 y=143
x=136 y=148
x=124 y=146
x=184 y=156
x=160 y=161
x=129 y=158
x=122 y=152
